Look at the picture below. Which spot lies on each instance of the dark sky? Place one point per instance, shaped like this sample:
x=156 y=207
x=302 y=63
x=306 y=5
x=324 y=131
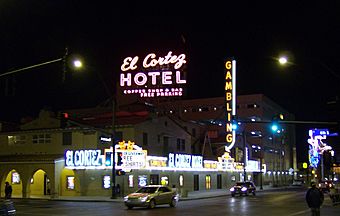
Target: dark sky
x=104 y=33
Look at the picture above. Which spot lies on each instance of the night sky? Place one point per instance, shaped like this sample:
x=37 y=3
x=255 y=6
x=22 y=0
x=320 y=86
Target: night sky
x=104 y=34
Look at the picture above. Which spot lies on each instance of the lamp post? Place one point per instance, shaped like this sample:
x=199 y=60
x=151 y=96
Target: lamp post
x=244 y=156
x=114 y=192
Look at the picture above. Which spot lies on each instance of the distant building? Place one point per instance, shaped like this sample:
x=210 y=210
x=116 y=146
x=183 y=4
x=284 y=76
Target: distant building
x=277 y=149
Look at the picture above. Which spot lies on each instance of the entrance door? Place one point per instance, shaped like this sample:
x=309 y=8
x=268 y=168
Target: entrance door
x=47 y=189
x=219 y=181
x=196 y=182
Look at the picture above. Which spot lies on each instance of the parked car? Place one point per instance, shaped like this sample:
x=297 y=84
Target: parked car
x=243 y=188
x=7 y=208
x=325 y=186
x=152 y=195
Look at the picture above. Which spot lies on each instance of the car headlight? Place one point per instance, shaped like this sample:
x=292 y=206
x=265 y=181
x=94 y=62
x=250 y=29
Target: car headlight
x=244 y=189
x=126 y=198
x=143 y=199
x=232 y=189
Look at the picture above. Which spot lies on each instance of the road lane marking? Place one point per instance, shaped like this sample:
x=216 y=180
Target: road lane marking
x=299 y=212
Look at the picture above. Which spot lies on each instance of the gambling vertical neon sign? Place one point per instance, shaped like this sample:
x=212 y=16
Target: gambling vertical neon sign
x=230 y=102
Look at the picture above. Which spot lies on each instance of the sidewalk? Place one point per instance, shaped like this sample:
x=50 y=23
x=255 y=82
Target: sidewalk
x=203 y=194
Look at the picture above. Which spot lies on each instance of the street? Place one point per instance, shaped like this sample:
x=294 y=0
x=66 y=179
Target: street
x=288 y=203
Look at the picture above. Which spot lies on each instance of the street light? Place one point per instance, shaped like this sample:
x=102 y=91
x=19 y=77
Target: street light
x=77 y=64
x=283 y=60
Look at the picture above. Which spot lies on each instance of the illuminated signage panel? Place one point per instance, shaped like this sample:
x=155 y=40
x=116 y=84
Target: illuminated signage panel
x=317 y=145
x=185 y=161
x=230 y=102
x=107 y=182
x=83 y=158
x=130 y=156
x=153 y=76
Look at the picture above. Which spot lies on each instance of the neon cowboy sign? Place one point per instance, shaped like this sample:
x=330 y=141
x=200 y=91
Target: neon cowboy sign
x=155 y=77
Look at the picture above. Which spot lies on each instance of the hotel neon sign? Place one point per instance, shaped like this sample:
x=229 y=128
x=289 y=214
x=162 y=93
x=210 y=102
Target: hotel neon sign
x=230 y=102
x=156 y=77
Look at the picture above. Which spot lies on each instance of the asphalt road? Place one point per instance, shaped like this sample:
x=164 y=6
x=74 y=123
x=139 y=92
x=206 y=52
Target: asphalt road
x=288 y=203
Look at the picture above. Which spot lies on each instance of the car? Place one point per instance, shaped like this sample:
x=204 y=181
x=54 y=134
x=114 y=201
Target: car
x=243 y=188
x=7 y=208
x=326 y=185
x=151 y=195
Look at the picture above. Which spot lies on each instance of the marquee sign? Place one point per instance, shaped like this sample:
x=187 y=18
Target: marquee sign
x=130 y=156
x=83 y=158
x=185 y=161
x=154 y=76
x=230 y=102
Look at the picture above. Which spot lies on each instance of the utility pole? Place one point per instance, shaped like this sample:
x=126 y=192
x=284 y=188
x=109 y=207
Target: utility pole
x=244 y=156
x=114 y=192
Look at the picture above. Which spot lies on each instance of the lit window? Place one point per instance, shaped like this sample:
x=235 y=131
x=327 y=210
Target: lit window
x=207 y=182
x=16 y=140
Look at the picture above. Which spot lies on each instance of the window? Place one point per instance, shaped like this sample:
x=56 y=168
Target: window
x=154 y=179
x=16 y=140
x=165 y=145
x=251 y=106
x=205 y=109
x=41 y=138
x=145 y=139
x=178 y=144
x=193 y=132
x=183 y=144
x=67 y=138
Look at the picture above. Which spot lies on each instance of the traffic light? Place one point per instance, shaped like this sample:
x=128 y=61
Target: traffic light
x=234 y=125
x=275 y=126
x=120 y=172
x=64 y=117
